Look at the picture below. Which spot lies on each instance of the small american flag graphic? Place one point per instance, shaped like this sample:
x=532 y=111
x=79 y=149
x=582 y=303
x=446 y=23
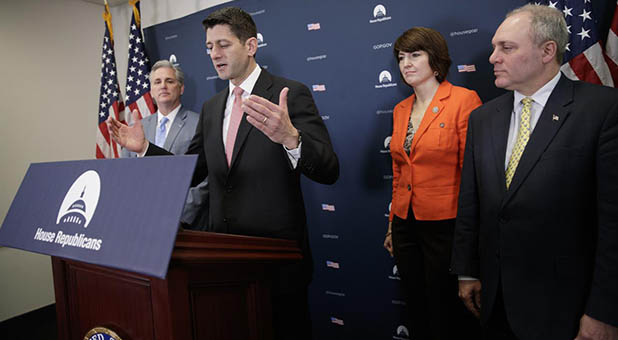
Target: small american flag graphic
x=466 y=68
x=336 y=321
x=313 y=26
x=328 y=207
x=332 y=264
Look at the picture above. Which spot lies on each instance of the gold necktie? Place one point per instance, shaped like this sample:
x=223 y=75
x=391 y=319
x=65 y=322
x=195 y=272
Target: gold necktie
x=523 y=135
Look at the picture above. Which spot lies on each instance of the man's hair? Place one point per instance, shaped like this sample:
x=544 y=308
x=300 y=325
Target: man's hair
x=240 y=22
x=180 y=76
x=430 y=41
x=546 y=24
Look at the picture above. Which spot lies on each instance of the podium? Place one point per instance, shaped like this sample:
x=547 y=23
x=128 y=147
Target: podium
x=217 y=287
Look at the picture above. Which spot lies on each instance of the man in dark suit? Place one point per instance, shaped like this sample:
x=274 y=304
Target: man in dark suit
x=172 y=127
x=254 y=139
x=537 y=223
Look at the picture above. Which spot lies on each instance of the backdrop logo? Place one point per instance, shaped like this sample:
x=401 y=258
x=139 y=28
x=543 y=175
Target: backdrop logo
x=386 y=80
x=390 y=205
x=317 y=57
x=387 y=144
x=395 y=275
x=379 y=14
x=260 y=39
x=402 y=333
x=174 y=60
x=81 y=200
x=465 y=32
x=319 y=88
x=382 y=45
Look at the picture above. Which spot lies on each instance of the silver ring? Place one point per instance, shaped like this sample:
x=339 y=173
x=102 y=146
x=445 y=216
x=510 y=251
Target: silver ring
x=265 y=119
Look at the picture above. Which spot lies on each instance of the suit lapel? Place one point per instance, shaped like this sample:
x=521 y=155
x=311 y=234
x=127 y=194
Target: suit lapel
x=434 y=110
x=544 y=131
x=214 y=116
x=499 y=127
x=150 y=127
x=262 y=89
x=177 y=125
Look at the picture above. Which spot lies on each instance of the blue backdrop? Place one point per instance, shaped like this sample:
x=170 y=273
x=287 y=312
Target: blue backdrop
x=340 y=49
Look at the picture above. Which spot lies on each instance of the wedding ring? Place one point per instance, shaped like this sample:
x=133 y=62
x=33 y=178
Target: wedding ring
x=265 y=119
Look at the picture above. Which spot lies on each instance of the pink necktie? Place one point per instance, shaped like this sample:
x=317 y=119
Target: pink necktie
x=235 y=118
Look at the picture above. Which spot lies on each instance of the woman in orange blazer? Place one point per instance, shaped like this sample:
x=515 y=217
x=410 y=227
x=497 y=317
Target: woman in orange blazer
x=427 y=147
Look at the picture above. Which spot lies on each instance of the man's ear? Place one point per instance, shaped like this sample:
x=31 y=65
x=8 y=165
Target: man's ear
x=550 y=49
x=251 y=45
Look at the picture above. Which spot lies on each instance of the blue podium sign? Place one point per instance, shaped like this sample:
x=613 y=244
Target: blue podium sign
x=120 y=213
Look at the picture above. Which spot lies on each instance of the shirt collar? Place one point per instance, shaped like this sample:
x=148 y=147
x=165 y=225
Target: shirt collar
x=249 y=83
x=542 y=95
x=170 y=116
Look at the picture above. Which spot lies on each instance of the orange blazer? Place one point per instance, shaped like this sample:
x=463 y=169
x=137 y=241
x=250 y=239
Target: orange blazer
x=428 y=179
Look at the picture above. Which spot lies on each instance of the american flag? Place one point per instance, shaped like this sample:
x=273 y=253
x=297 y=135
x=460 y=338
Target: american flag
x=319 y=88
x=110 y=100
x=336 y=321
x=584 y=58
x=466 y=68
x=138 y=85
x=332 y=264
x=313 y=26
x=328 y=207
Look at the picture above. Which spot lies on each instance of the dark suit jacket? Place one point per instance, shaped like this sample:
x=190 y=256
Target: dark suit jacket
x=551 y=239
x=260 y=193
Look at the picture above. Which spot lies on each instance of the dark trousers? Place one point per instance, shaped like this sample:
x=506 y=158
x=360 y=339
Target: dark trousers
x=422 y=252
x=497 y=327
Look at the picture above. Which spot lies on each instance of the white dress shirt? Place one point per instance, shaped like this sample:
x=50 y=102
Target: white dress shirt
x=247 y=86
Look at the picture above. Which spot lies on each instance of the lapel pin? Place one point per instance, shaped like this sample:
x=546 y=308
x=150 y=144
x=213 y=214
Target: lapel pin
x=555 y=118
x=435 y=109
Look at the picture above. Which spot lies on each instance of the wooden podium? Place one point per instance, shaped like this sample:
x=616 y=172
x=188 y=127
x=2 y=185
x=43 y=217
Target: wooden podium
x=217 y=287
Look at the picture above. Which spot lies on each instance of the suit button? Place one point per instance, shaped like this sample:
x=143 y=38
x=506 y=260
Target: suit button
x=225 y=220
x=497 y=254
x=228 y=189
x=409 y=187
x=441 y=125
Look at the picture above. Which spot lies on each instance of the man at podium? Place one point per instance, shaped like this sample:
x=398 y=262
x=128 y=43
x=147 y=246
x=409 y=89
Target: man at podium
x=253 y=140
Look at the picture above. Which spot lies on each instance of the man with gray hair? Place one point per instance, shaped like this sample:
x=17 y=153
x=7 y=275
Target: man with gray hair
x=172 y=128
x=536 y=238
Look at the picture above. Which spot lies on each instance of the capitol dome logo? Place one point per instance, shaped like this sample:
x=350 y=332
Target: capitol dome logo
x=379 y=14
x=402 y=333
x=385 y=77
x=385 y=80
x=81 y=200
x=379 y=11
x=387 y=143
x=174 y=60
x=395 y=275
x=260 y=39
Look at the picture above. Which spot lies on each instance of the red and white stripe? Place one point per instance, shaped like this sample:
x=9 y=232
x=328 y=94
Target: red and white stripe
x=590 y=67
x=611 y=47
x=106 y=147
x=144 y=105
